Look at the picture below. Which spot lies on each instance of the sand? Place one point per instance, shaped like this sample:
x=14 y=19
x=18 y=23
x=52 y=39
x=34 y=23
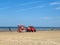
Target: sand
x=30 y=38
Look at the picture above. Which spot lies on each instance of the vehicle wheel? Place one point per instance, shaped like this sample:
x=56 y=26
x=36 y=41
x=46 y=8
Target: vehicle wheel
x=34 y=30
x=27 y=31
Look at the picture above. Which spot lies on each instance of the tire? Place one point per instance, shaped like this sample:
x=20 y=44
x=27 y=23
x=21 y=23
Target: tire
x=27 y=31
x=31 y=31
x=34 y=30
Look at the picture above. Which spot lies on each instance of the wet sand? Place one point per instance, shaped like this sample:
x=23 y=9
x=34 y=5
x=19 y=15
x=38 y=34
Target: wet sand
x=30 y=38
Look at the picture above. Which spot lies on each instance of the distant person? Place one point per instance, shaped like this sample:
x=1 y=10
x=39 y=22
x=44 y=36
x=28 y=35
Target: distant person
x=9 y=29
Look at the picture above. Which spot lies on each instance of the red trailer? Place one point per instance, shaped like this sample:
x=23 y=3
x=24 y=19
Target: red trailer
x=31 y=29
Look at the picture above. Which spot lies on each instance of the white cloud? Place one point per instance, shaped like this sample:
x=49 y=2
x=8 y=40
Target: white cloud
x=28 y=3
x=46 y=18
x=30 y=8
x=4 y=8
x=57 y=8
x=50 y=18
x=54 y=3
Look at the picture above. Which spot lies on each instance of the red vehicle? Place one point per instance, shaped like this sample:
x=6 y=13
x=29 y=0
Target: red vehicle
x=31 y=29
x=21 y=28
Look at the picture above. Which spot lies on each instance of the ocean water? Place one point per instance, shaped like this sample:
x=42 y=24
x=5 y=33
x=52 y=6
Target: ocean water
x=37 y=28
x=48 y=28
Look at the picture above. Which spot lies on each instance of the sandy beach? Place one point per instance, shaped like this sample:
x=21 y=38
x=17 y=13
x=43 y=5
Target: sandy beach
x=30 y=38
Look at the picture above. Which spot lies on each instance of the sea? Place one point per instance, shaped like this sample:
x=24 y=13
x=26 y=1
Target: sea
x=37 y=28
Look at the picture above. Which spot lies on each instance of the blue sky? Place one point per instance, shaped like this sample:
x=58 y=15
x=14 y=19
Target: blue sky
x=43 y=13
